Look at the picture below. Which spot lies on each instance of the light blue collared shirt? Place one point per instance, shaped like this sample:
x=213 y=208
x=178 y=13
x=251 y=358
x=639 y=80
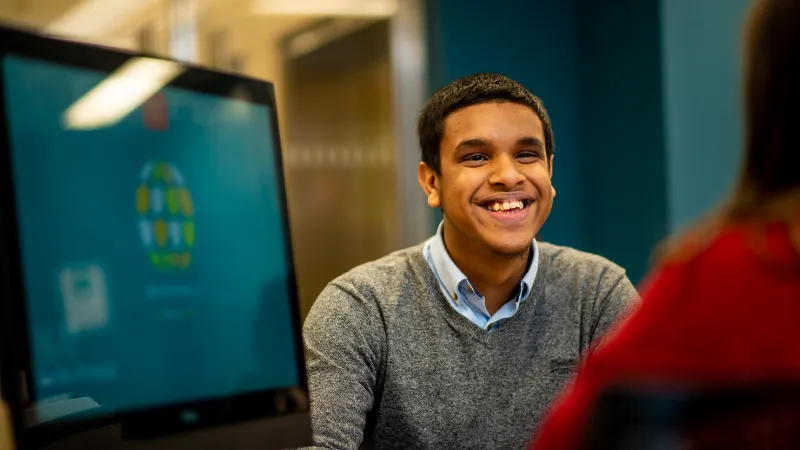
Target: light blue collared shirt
x=460 y=293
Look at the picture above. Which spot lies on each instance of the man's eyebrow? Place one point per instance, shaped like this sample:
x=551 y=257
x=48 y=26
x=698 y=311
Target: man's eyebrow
x=473 y=143
x=530 y=142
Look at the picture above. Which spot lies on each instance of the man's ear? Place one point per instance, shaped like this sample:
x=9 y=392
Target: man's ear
x=551 y=176
x=429 y=181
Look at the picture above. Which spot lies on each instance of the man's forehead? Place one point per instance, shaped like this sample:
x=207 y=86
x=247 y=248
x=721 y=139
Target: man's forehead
x=496 y=119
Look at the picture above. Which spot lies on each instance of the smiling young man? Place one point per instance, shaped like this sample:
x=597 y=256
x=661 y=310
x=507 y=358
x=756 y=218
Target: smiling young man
x=463 y=341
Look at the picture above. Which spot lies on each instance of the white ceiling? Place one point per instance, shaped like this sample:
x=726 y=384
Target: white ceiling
x=112 y=18
x=116 y=22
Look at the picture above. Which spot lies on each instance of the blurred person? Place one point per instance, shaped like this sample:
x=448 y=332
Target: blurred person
x=721 y=308
x=462 y=341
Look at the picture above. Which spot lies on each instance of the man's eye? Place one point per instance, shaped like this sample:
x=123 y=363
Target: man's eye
x=475 y=157
x=527 y=155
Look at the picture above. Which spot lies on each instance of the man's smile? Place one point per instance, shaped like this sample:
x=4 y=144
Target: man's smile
x=508 y=208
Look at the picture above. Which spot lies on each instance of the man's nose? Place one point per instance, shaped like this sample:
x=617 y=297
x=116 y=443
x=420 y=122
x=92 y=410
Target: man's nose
x=505 y=172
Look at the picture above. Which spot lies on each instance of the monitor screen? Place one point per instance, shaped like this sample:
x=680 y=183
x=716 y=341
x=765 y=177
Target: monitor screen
x=153 y=248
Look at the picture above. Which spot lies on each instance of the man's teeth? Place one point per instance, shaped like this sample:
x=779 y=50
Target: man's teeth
x=506 y=206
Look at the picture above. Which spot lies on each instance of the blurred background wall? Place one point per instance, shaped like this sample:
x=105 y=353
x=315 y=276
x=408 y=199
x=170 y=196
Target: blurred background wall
x=701 y=66
x=644 y=96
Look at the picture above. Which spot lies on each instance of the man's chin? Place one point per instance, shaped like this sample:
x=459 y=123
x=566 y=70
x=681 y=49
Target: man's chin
x=515 y=249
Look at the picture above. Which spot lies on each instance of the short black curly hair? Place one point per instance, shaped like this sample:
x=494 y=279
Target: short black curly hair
x=468 y=91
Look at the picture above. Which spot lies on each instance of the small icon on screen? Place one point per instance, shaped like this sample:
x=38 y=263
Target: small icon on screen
x=83 y=290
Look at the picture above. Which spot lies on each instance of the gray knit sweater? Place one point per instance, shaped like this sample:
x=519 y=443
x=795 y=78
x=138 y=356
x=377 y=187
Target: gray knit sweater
x=392 y=364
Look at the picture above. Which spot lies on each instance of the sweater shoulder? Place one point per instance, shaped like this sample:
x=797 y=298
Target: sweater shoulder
x=361 y=295
x=575 y=264
x=391 y=272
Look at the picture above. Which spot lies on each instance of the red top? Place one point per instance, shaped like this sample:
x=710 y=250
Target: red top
x=729 y=314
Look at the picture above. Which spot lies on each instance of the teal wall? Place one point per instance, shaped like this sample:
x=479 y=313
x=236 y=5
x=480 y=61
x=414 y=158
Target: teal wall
x=644 y=97
x=702 y=83
x=621 y=130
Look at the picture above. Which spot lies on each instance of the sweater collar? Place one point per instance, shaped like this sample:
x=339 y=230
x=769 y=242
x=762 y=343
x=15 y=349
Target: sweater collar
x=451 y=277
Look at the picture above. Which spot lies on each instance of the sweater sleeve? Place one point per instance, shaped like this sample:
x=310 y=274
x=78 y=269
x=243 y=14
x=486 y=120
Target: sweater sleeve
x=344 y=345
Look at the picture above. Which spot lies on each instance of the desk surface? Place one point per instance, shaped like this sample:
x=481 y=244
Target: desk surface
x=6 y=442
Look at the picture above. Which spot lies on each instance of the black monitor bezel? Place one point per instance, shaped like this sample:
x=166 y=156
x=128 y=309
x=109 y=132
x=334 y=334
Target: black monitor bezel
x=15 y=347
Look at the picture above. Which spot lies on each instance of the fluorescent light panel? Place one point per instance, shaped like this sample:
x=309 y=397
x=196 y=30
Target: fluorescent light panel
x=309 y=41
x=97 y=17
x=349 y=8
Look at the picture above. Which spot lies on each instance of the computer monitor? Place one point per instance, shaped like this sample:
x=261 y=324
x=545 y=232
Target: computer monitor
x=146 y=266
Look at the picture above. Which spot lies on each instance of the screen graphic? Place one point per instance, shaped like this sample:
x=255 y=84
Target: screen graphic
x=153 y=249
x=166 y=213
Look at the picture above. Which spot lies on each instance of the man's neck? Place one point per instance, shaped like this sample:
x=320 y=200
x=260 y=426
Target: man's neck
x=495 y=276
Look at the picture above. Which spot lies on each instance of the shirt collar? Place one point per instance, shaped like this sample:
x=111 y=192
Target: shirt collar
x=452 y=277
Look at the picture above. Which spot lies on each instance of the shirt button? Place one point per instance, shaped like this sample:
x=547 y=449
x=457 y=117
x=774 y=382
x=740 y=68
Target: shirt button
x=455 y=296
